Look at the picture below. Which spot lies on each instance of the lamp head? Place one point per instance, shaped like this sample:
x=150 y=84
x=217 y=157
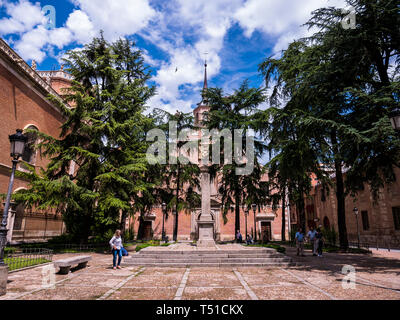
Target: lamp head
x=17 y=142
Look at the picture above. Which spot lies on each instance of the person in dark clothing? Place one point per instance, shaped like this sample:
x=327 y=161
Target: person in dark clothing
x=320 y=242
x=239 y=237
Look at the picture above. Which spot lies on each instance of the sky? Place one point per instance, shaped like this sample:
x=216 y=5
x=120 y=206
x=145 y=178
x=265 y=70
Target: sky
x=176 y=36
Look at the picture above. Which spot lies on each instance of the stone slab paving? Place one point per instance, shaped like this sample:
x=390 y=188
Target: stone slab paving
x=377 y=277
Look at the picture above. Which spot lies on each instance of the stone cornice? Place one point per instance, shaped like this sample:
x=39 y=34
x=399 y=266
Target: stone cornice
x=55 y=75
x=6 y=170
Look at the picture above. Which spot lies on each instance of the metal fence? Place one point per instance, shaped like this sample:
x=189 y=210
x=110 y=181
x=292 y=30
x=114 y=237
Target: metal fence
x=20 y=258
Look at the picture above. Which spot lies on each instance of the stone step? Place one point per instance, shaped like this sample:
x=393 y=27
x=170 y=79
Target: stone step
x=215 y=265
x=212 y=252
x=186 y=260
x=194 y=256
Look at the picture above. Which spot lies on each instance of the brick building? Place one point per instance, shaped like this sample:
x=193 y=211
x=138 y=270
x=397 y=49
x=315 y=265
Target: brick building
x=378 y=220
x=24 y=105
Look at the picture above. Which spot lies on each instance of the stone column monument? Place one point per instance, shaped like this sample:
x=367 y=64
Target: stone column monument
x=205 y=223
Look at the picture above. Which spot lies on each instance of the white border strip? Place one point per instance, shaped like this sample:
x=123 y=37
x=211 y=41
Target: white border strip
x=250 y=292
x=120 y=285
x=182 y=286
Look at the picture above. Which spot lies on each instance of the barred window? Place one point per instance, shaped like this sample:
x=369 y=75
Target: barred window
x=396 y=217
x=365 y=221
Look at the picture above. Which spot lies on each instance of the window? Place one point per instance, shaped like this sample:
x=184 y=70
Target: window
x=365 y=221
x=396 y=217
x=29 y=155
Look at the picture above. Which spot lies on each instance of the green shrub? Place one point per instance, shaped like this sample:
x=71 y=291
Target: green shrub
x=330 y=235
x=277 y=247
x=104 y=238
x=151 y=243
x=8 y=251
x=62 y=239
x=129 y=235
x=142 y=246
x=292 y=234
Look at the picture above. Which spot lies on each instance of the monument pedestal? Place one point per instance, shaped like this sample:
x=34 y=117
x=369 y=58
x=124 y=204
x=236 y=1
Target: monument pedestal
x=206 y=233
x=3 y=280
x=206 y=222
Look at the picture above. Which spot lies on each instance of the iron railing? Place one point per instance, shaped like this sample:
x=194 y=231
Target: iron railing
x=20 y=258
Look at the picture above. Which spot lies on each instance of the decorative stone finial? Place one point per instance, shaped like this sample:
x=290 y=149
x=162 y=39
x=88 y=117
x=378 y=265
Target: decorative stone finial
x=34 y=66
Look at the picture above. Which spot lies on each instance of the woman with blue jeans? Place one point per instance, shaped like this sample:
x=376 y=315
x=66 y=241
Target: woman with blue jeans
x=116 y=246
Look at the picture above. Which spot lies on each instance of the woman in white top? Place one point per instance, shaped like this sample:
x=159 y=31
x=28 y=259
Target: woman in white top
x=116 y=246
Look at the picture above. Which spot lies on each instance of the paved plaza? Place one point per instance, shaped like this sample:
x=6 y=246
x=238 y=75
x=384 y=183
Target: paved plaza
x=377 y=277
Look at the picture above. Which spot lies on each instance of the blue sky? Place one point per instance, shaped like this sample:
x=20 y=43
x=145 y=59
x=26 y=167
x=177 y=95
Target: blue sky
x=173 y=34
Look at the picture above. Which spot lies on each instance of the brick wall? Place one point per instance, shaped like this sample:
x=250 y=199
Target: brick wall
x=380 y=216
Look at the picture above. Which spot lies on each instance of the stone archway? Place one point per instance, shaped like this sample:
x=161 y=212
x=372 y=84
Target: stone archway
x=195 y=227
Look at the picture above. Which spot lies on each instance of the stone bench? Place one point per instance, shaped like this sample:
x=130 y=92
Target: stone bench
x=66 y=264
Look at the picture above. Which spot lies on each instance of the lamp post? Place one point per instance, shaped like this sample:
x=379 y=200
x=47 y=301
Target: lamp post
x=17 y=142
x=254 y=206
x=164 y=212
x=355 y=210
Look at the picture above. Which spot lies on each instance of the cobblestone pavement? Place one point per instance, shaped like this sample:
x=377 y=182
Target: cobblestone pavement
x=377 y=277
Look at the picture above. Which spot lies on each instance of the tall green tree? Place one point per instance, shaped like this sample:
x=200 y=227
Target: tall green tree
x=341 y=91
x=179 y=176
x=238 y=112
x=103 y=137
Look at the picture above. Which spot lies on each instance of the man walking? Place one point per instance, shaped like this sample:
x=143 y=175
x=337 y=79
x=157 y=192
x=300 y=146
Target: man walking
x=313 y=240
x=300 y=242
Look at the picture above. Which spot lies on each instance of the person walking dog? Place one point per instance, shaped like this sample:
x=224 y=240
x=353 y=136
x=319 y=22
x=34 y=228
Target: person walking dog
x=116 y=246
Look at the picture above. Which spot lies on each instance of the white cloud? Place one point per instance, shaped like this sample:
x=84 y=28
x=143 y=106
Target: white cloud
x=31 y=43
x=281 y=19
x=180 y=78
x=117 y=18
x=183 y=29
x=24 y=16
x=80 y=26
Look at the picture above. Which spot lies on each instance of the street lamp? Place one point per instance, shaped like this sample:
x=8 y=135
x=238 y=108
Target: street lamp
x=355 y=210
x=254 y=206
x=395 y=119
x=246 y=214
x=17 y=141
x=164 y=212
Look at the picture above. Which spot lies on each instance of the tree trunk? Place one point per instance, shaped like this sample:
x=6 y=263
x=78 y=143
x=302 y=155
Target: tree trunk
x=123 y=222
x=302 y=213
x=141 y=227
x=237 y=209
x=283 y=236
x=340 y=196
x=175 y=236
